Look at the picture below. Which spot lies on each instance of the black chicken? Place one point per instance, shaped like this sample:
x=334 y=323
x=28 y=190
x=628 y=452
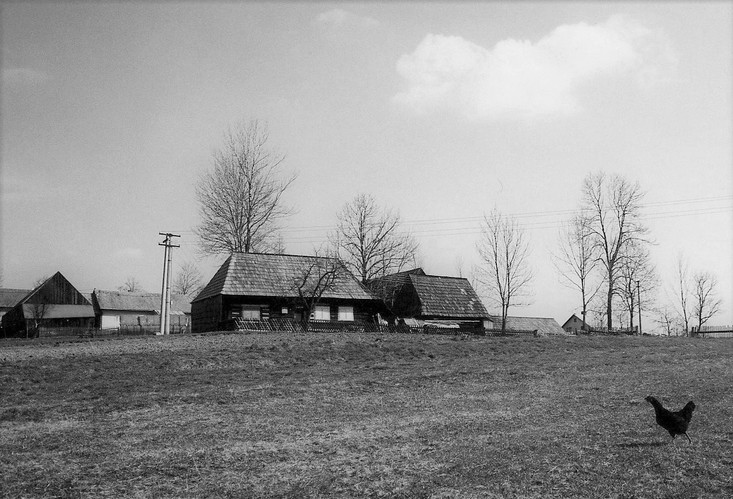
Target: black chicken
x=674 y=422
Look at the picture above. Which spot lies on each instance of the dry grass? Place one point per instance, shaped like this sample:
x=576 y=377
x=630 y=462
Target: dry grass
x=286 y=415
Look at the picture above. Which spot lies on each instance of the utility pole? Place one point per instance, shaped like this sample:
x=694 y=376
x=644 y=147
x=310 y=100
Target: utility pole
x=638 y=298
x=165 y=295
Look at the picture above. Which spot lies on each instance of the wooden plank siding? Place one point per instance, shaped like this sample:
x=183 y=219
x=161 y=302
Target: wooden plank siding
x=220 y=312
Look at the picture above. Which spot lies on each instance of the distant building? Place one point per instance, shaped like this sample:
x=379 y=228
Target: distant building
x=430 y=299
x=10 y=298
x=55 y=304
x=127 y=312
x=543 y=325
x=574 y=324
x=259 y=287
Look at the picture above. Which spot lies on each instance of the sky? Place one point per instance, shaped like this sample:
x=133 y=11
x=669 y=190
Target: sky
x=111 y=113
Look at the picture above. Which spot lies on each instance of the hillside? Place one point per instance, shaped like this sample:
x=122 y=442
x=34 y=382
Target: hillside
x=318 y=415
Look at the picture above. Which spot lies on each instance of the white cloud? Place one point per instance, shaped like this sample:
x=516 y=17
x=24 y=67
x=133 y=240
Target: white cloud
x=338 y=19
x=14 y=77
x=523 y=79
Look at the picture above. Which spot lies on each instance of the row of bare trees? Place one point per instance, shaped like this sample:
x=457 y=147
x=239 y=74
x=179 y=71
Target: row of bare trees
x=187 y=281
x=693 y=297
x=605 y=248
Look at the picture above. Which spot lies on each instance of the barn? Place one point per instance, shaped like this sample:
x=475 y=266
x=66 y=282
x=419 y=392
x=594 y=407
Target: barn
x=55 y=305
x=263 y=287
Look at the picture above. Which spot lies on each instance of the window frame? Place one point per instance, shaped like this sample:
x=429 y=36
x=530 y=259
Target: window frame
x=346 y=313
x=321 y=310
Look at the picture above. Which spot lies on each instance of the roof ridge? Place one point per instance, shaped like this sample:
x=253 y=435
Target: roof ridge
x=242 y=253
x=441 y=276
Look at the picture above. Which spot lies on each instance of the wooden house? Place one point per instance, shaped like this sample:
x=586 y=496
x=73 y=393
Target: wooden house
x=430 y=299
x=258 y=287
x=54 y=305
x=573 y=324
x=127 y=312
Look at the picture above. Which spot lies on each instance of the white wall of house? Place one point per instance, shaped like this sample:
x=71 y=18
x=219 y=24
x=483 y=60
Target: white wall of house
x=110 y=321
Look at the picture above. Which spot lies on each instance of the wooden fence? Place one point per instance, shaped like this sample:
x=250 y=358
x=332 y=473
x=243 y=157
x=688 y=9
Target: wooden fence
x=86 y=332
x=285 y=325
x=615 y=331
x=713 y=332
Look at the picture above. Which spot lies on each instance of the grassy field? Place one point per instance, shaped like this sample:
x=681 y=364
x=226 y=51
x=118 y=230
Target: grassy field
x=317 y=415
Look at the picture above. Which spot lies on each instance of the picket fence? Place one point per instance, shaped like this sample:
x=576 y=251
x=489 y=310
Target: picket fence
x=285 y=325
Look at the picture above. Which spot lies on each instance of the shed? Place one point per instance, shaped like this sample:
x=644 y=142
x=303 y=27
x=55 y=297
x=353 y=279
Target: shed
x=545 y=326
x=123 y=310
x=574 y=324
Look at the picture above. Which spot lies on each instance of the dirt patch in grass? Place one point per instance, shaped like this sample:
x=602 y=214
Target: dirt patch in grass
x=360 y=415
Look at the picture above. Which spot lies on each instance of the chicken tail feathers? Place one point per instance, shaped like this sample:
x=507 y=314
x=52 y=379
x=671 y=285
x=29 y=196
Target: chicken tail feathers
x=686 y=411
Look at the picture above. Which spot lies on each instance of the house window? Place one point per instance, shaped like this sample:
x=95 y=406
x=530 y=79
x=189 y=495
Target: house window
x=250 y=312
x=346 y=313
x=321 y=313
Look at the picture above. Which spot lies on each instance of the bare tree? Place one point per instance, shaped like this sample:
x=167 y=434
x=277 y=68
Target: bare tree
x=682 y=292
x=318 y=276
x=704 y=296
x=637 y=279
x=131 y=285
x=240 y=200
x=188 y=280
x=667 y=318
x=504 y=254
x=39 y=305
x=40 y=281
x=577 y=261
x=614 y=208
x=369 y=240
x=458 y=265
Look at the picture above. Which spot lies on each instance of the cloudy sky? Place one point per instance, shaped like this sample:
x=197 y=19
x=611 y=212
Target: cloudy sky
x=442 y=111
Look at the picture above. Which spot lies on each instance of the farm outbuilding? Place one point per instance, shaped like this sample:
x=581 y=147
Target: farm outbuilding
x=54 y=305
x=130 y=312
x=10 y=298
x=544 y=326
x=574 y=324
x=262 y=287
x=431 y=299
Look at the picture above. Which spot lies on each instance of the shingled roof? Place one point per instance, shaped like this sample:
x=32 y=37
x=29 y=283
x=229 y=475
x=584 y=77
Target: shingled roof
x=10 y=297
x=442 y=296
x=272 y=275
x=138 y=302
x=438 y=296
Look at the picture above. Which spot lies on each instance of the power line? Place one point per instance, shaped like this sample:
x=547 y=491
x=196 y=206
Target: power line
x=532 y=220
